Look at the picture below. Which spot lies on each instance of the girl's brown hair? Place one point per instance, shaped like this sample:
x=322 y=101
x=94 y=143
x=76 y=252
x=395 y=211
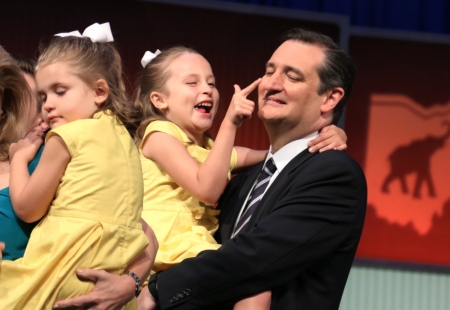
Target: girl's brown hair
x=93 y=61
x=153 y=78
x=15 y=96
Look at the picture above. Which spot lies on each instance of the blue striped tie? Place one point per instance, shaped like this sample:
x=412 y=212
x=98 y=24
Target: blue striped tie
x=256 y=195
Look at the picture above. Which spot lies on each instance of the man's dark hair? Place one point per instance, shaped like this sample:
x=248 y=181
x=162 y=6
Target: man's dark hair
x=337 y=69
x=28 y=66
x=25 y=64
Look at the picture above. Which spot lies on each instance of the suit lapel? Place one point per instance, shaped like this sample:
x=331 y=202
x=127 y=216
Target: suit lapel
x=280 y=183
x=251 y=179
x=232 y=206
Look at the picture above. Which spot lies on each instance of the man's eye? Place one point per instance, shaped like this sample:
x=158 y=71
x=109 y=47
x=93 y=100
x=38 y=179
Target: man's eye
x=293 y=78
x=269 y=73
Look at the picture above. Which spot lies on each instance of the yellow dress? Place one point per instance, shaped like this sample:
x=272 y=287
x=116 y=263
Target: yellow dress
x=93 y=222
x=183 y=225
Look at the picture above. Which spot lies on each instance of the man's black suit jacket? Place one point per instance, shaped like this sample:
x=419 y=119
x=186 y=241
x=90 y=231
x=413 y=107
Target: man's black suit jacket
x=301 y=244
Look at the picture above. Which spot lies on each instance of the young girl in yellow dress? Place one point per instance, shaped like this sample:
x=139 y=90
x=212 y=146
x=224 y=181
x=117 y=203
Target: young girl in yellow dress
x=184 y=174
x=88 y=181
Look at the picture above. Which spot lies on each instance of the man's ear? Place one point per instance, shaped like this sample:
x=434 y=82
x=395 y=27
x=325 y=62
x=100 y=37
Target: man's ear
x=159 y=100
x=333 y=97
x=101 y=91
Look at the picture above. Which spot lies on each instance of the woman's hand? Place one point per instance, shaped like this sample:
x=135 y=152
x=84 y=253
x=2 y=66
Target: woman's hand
x=330 y=138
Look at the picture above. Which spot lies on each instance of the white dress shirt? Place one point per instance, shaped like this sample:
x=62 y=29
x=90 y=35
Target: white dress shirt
x=281 y=158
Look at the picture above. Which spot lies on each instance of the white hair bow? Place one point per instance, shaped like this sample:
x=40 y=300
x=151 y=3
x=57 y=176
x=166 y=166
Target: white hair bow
x=96 y=32
x=148 y=56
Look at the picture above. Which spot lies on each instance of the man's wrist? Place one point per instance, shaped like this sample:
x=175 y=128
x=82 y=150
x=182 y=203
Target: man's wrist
x=137 y=287
x=129 y=286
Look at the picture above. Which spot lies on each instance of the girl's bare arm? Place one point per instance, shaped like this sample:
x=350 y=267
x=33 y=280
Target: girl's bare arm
x=31 y=195
x=207 y=181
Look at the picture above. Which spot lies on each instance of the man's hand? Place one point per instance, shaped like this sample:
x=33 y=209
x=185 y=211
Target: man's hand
x=145 y=300
x=110 y=292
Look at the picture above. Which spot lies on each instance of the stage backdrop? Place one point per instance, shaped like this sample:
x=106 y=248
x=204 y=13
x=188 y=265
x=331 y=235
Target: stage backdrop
x=397 y=118
x=399 y=130
x=237 y=44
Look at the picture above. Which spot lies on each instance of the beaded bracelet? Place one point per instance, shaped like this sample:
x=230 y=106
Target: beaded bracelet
x=137 y=280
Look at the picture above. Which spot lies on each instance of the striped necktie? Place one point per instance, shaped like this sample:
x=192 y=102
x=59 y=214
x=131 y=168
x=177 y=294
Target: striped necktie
x=256 y=195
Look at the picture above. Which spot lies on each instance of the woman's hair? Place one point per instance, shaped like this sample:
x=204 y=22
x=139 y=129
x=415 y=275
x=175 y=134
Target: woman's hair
x=93 y=61
x=15 y=95
x=153 y=78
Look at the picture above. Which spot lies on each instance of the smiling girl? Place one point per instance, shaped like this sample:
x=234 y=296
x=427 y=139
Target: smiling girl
x=184 y=174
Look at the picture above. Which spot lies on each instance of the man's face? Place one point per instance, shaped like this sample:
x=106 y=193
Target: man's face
x=288 y=90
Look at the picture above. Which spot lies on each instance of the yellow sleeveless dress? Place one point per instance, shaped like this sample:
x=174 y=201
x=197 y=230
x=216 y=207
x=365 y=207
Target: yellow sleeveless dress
x=93 y=222
x=183 y=225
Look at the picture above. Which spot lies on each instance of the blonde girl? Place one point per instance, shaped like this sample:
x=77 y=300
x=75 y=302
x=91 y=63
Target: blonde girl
x=184 y=174
x=89 y=174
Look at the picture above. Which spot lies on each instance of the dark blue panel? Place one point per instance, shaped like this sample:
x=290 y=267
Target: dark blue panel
x=412 y=15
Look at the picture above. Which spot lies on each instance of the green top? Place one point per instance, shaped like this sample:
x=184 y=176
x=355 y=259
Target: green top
x=14 y=232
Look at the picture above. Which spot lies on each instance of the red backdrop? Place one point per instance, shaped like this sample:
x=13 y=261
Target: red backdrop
x=237 y=45
x=399 y=104
x=398 y=126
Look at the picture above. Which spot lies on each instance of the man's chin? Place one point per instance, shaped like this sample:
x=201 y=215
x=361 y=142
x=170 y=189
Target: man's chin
x=268 y=117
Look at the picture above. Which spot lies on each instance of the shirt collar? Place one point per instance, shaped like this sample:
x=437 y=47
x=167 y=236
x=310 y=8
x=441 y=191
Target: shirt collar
x=284 y=155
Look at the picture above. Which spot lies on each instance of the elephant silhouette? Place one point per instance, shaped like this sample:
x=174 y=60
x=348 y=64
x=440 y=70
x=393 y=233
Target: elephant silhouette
x=415 y=158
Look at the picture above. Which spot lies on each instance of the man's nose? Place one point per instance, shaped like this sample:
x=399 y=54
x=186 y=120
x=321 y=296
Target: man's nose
x=274 y=82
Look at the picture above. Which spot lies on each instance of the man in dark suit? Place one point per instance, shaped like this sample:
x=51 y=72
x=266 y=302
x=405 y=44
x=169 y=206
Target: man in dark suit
x=293 y=229
x=301 y=239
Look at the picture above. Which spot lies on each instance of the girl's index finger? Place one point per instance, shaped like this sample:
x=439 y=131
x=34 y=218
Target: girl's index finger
x=246 y=91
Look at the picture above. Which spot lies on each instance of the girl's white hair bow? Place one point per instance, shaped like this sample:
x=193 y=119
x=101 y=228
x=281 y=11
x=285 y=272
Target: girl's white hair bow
x=148 y=56
x=96 y=32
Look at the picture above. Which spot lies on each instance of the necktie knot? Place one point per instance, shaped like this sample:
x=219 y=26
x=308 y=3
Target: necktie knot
x=270 y=167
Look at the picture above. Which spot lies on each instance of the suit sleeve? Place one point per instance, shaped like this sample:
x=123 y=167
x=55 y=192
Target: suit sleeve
x=312 y=216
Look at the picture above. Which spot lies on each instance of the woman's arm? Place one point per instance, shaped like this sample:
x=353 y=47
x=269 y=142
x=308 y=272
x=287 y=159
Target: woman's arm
x=142 y=265
x=40 y=188
x=206 y=181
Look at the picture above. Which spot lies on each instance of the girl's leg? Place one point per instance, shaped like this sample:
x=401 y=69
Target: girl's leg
x=259 y=301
